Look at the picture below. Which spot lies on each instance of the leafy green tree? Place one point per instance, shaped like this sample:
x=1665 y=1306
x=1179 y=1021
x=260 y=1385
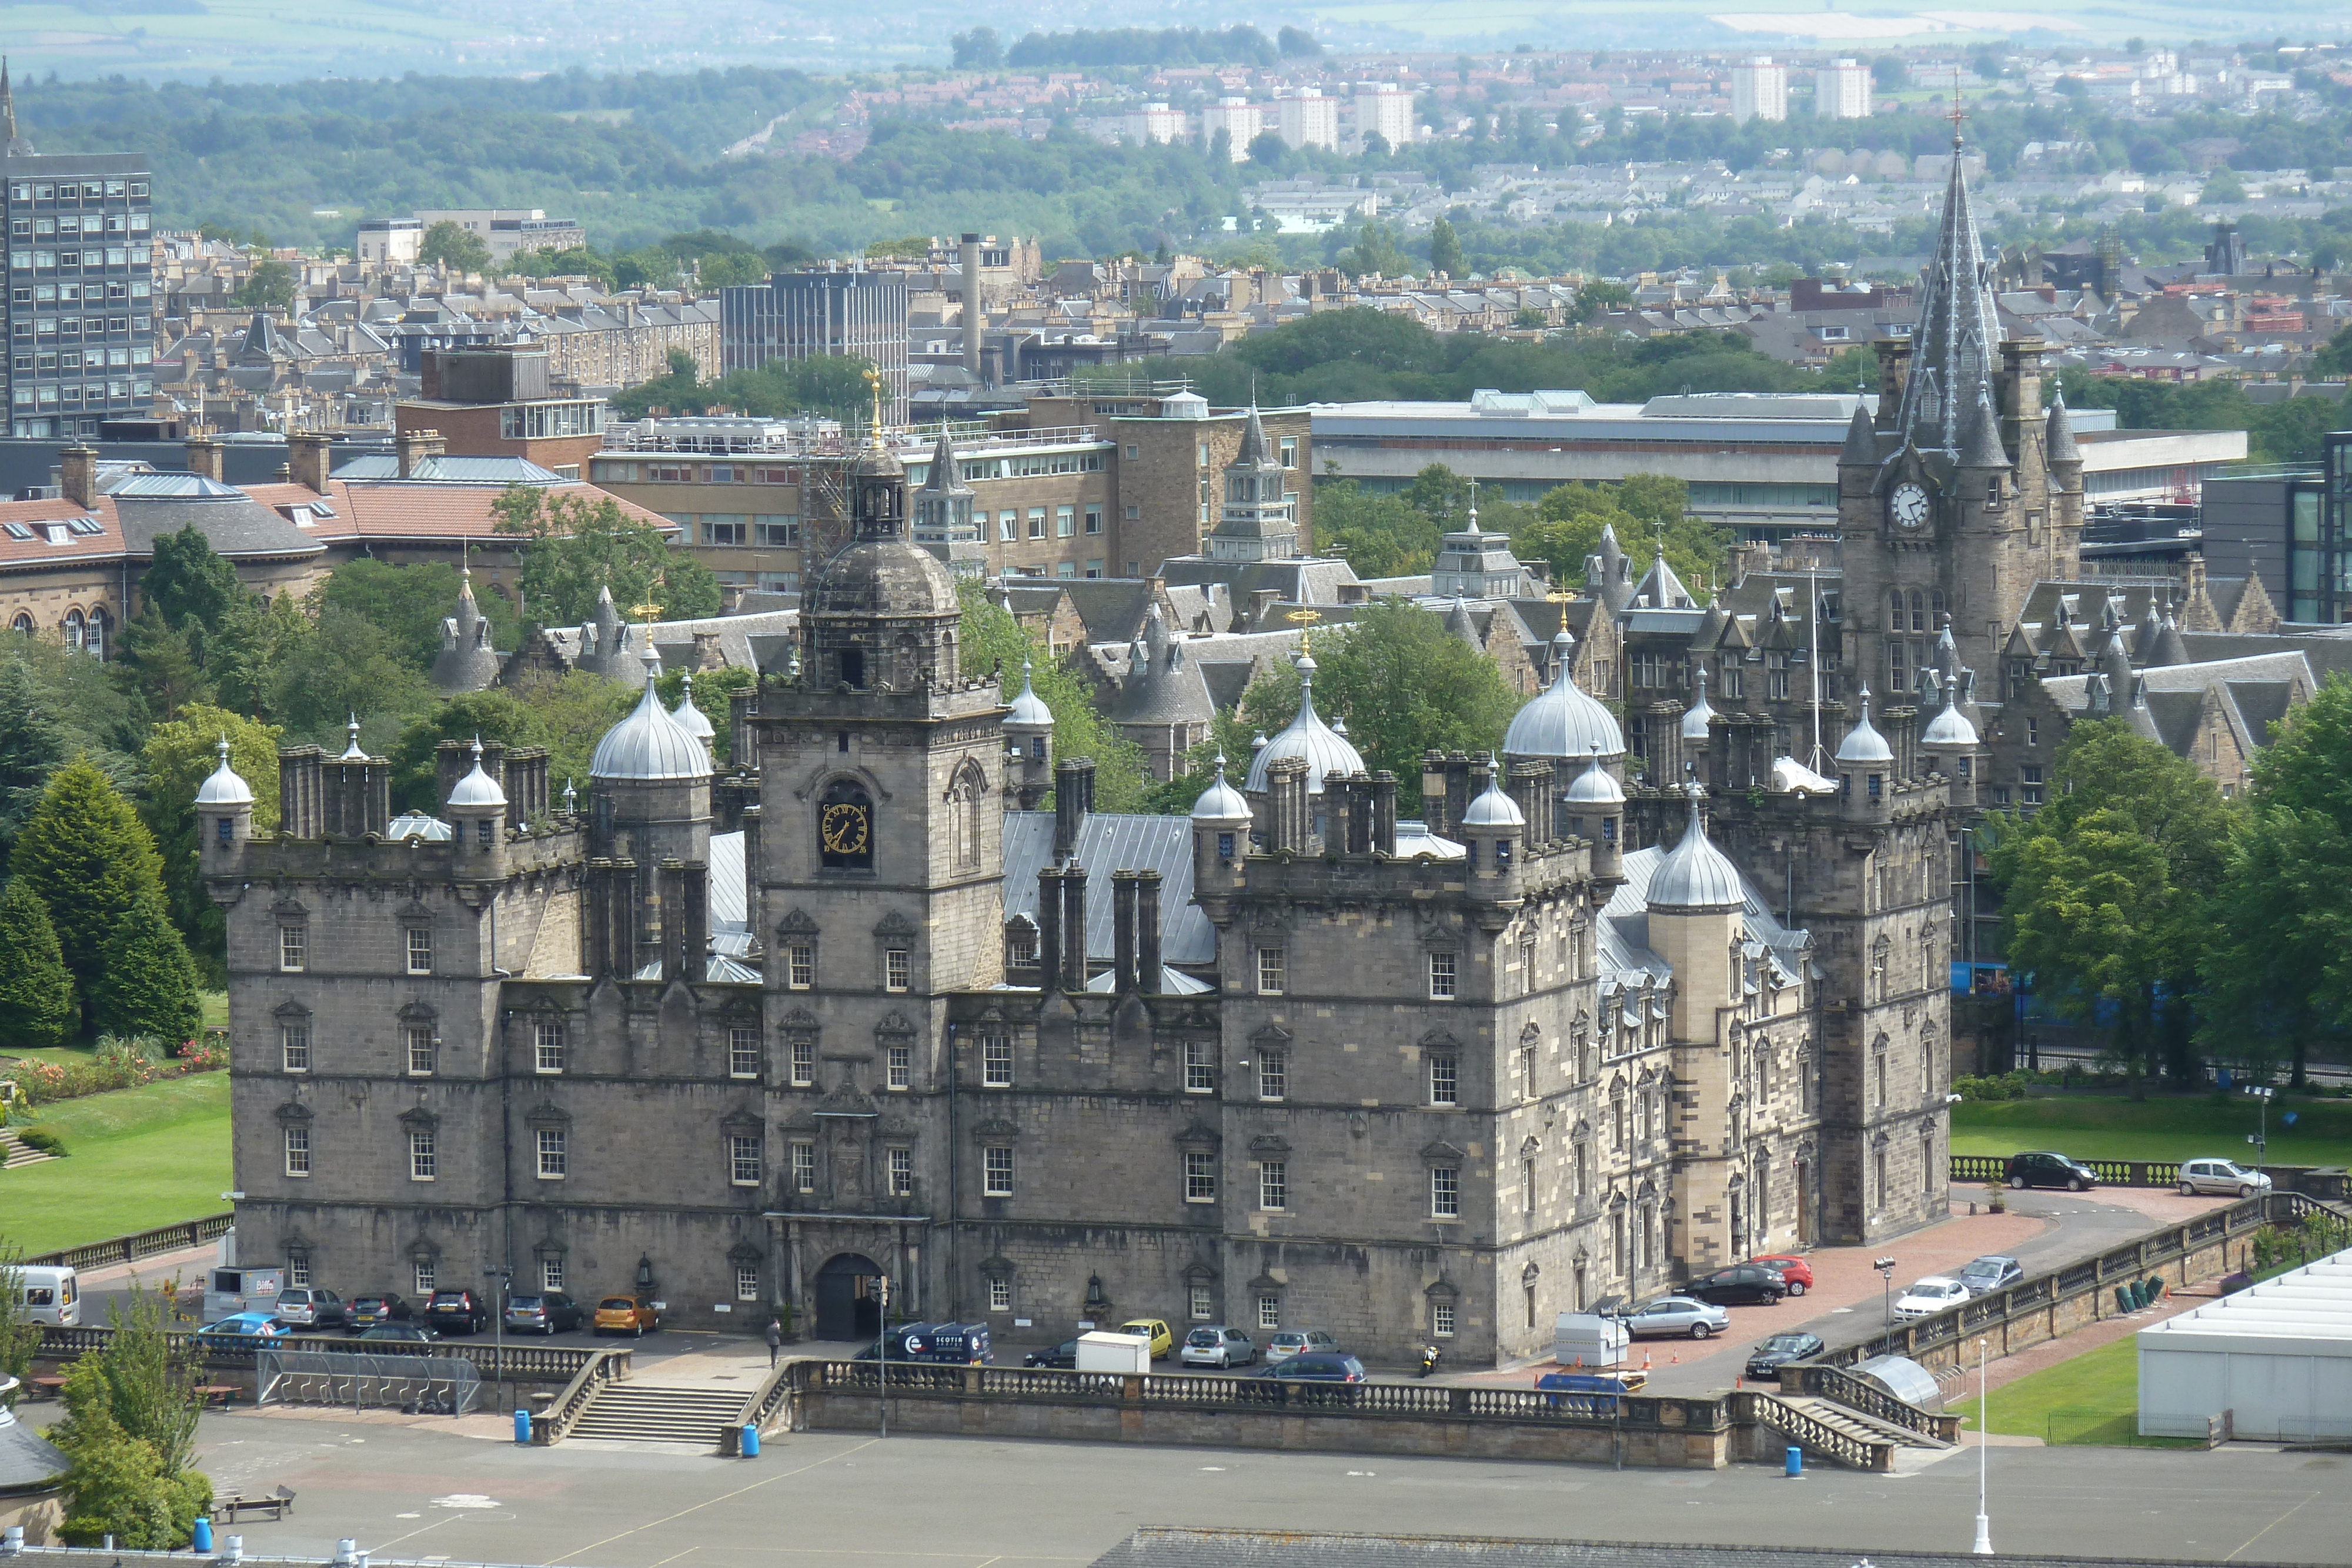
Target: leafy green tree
x=349 y=665
x=2109 y=892
x=258 y=639
x=32 y=744
x=269 y=287
x=409 y=602
x=1379 y=535
x=2335 y=357
x=147 y=984
x=1296 y=43
x=907 y=247
x=977 y=50
x=20 y=1336
x=992 y=639
x=2281 y=963
x=90 y=858
x=190 y=582
x=1376 y=251
x=713 y=693
x=1643 y=510
x=650 y=267
x=579 y=546
x=181 y=755
x=160 y=667
x=130 y=1430
x=732 y=270
x=579 y=261
x=1445 y=249
x=452 y=245
x=36 y=992
x=1593 y=298
x=568 y=714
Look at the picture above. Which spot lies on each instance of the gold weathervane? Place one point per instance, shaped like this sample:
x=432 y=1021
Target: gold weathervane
x=1305 y=621
x=873 y=389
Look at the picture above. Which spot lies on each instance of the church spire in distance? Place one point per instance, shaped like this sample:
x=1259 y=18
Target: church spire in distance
x=1957 y=340
x=15 y=144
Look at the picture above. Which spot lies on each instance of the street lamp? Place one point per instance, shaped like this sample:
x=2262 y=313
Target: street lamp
x=498 y=1322
x=883 y=1357
x=1885 y=1267
x=1984 y=1446
x=2261 y=1139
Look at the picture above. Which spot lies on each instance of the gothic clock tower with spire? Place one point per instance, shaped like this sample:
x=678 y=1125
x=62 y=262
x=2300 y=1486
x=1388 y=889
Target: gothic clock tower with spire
x=1966 y=490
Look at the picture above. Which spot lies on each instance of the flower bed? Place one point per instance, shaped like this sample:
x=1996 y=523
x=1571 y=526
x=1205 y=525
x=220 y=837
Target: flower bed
x=116 y=1064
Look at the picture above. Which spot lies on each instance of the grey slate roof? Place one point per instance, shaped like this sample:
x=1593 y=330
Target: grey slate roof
x=1169 y=1546
x=28 y=1462
x=236 y=525
x=1108 y=843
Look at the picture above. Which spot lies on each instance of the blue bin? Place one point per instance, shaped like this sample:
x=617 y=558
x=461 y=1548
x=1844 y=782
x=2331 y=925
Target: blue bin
x=1794 y=1467
x=750 y=1441
x=523 y=1425
x=204 y=1537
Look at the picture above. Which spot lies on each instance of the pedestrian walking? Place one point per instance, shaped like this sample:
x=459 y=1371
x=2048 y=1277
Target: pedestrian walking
x=775 y=1341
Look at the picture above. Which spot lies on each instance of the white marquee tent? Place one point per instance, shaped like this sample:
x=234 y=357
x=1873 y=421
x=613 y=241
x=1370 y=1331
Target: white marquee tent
x=2277 y=1357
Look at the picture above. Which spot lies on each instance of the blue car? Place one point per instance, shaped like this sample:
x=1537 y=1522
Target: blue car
x=242 y=1326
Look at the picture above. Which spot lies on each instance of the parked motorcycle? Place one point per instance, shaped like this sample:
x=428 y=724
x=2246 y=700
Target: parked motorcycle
x=1430 y=1355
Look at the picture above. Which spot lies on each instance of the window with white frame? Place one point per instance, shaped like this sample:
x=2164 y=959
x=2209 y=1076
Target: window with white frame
x=902 y=1172
x=547 y=1047
x=421 y=1050
x=804 y=1063
x=1440 y=977
x=996 y=1061
x=800 y=966
x=1528 y=963
x=294 y=1045
x=1444 y=1083
x=420 y=949
x=298 y=1151
x=293 y=947
x=1528 y=1186
x=901 y=1064
x=1440 y=1318
x=1527 y=1070
x=803 y=1166
x=996 y=1171
x=550 y=1273
x=743 y=1051
x=896 y=969
x=551 y=1158
x=423 y=1275
x=1000 y=1295
x=1445 y=1192
x=1200 y=1176
x=1273 y=1184
x=1200 y=1067
x=1269 y=1311
x=747 y=1282
x=1269 y=971
x=1202 y=1301
x=1272 y=1073
x=298 y=1268
x=743 y=1159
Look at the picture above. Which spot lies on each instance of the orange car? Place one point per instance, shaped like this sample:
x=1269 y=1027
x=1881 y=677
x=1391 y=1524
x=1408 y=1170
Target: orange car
x=626 y=1314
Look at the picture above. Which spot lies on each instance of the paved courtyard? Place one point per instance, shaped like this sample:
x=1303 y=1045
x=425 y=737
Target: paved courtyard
x=432 y=1491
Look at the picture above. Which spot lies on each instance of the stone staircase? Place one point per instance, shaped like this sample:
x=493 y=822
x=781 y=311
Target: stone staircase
x=1861 y=1426
x=13 y=1153
x=645 y=1413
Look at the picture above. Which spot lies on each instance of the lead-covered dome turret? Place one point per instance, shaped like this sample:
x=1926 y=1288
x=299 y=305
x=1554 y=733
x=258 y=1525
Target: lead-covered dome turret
x=650 y=744
x=1306 y=736
x=1562 y=722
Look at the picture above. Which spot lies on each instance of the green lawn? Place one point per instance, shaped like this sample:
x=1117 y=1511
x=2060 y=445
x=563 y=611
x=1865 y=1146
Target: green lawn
x=2093 y=1399
x=2111 y=1127
x=138 y=1158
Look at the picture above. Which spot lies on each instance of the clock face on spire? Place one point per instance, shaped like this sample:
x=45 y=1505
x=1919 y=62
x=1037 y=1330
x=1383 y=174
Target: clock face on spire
x=1908 y=505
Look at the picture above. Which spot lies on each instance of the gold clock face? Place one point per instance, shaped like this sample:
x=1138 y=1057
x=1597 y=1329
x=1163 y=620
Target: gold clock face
x=844 y=829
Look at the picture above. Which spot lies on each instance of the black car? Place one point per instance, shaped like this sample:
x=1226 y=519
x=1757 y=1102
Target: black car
x=2041 y=1168
x=1766 y=1359
x=1063 y=1355
x=1749 y=1282
x=404 y=1332
x=548 y=1312
x=457 y=1311
x=1315 y=1366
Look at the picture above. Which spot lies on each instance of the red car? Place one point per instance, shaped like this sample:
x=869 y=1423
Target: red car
x=1795 y=1270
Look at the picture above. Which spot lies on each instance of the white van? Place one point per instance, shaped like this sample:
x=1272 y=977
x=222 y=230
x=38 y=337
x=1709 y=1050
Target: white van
x=52 y=1295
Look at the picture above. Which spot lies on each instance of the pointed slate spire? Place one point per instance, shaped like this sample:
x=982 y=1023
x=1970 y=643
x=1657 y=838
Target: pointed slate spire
x=16 y=146
x=1957 y=340
x=2058 y=434
x=1983 y=448
x=1861 y=449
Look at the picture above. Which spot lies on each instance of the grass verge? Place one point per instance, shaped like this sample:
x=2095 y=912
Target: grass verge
x=137 y=1159
x=2093 y=1399
x=2110 y=1127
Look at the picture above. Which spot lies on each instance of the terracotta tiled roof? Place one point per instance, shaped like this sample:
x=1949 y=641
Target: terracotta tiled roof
x=48 y=520
x=389 y=509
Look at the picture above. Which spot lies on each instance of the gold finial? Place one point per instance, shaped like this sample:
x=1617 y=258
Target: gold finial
x=1304 y=619
x=647 y=610
x=1957 y=113
x=874 y=390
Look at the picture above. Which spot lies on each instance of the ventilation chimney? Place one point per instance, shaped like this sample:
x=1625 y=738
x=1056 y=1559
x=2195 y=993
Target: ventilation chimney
x=974 y=315
x=1049 y=929
x=1074 y=927
x=1122 y=921
x=1074 y=797
x=1147 y=932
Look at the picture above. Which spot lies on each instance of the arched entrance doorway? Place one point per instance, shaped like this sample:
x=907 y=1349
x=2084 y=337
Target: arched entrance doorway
x=849 y=1298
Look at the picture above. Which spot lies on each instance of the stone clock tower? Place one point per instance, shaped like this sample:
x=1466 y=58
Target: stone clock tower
x=1966 y=490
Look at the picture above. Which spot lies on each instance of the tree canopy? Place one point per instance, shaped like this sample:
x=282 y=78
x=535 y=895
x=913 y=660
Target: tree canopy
x=90 y=858
x=452 y=245
x=992 y=639
x=579 y=546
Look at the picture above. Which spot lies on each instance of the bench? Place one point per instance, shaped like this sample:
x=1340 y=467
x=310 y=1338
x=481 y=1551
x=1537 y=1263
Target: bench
x=277 y=1504
x=212 y=1394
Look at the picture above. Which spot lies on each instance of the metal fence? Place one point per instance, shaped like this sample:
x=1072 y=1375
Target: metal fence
x=429 y=1384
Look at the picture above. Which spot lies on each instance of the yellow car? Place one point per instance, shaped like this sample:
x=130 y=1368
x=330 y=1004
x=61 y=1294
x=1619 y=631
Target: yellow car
x=1162 y=1342
x=625 y=1315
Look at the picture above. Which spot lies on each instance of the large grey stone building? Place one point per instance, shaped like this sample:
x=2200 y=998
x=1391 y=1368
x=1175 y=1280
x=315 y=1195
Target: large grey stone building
x=1290 y=1061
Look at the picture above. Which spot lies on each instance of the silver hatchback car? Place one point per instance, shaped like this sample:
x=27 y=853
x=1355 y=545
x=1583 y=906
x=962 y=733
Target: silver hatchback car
x=1677 y=1315
x=1299 y=1342
x=2223 y=1176
x=1213 y=1344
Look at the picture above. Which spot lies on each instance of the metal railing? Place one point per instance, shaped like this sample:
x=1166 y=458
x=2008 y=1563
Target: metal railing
x=140 y=1244
x=1994 y=1169
x=783 y=440
x=1425 y=1401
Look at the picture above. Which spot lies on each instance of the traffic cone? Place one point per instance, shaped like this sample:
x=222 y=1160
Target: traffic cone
x=1673 y=1358
x=1645 y=1361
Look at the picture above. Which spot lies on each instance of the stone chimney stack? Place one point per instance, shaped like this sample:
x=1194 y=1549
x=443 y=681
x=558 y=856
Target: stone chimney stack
x=414 y=446
x=307 y=456
x=204 y=458
x=77 y=475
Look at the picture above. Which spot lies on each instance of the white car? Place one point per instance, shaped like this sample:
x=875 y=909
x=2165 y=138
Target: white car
x=2223 y=1176
x=1929 y=1296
